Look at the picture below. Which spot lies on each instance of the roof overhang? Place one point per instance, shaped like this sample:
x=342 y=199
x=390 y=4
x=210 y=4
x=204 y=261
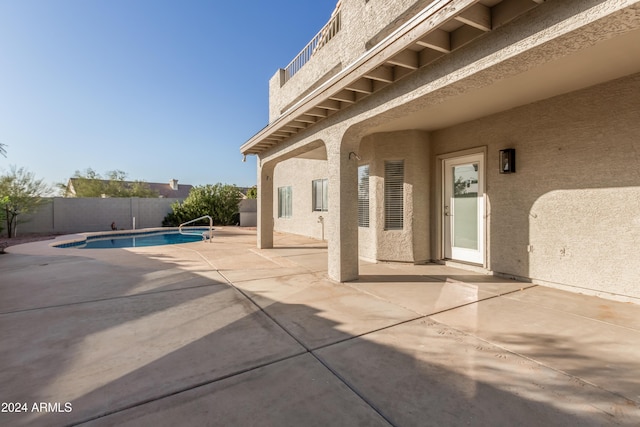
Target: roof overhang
x=439 y=29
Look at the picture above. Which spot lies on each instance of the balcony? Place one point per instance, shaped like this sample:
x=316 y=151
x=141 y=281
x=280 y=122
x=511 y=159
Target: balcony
x=437 y=30
x=323 y=37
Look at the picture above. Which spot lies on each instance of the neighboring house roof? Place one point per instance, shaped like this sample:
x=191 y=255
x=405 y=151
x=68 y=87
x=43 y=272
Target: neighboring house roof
x=166 y=190
x=169 y=190
x=244 y=191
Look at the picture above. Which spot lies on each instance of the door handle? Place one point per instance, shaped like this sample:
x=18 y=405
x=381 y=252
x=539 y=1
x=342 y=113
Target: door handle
x=446 y=211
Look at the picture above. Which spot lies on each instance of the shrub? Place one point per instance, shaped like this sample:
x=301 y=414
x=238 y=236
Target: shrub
x=220 y=201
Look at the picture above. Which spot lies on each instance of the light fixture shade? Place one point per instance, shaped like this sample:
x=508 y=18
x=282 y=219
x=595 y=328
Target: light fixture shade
x=507 y=160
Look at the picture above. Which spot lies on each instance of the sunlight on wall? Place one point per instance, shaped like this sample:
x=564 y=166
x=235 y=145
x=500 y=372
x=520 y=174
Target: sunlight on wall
x=587 y=238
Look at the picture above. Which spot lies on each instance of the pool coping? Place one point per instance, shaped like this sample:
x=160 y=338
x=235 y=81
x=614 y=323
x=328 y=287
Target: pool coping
x=82 y=238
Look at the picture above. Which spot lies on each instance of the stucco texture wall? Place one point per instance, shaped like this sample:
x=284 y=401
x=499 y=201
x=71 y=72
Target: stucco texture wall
x=411 y=244
x=362 y=23
x=76 y=215
x=299 y=173
x=570 y=215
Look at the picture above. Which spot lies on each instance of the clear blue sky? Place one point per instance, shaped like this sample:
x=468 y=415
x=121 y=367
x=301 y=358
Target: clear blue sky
x=159 y=89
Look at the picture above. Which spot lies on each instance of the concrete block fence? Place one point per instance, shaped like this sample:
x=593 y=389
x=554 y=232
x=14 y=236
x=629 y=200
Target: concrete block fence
x=60 y=215
x=76 y=215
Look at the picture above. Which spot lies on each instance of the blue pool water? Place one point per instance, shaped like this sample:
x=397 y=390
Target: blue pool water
x=136 y=240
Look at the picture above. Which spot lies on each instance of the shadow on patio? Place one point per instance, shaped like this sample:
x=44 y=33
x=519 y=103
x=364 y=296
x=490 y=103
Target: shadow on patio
x=186 y=348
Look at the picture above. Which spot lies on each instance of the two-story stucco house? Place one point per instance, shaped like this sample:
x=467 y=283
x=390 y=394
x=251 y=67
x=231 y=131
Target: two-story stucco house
x=501 y=135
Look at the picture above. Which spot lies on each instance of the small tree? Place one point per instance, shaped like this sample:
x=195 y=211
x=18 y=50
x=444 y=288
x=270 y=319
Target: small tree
x=220 y=201
x=85 y=184
x=91 y=184
x=20 y=193
x=252 y=193
x=459 y=187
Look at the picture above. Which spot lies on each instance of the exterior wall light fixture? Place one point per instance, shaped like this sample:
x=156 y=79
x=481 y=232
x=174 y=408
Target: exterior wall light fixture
x=508 y=160
x=354 y=155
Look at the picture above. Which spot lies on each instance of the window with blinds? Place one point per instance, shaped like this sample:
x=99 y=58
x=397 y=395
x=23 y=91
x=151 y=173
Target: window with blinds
x=284 y=202
x=363 y=196
x=393 y=194
x=319 y=188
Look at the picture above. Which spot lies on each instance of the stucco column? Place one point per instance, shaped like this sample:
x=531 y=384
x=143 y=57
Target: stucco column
x=343 y=212
x=265 y=205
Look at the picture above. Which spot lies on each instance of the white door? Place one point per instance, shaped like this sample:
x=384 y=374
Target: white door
x=463 y=208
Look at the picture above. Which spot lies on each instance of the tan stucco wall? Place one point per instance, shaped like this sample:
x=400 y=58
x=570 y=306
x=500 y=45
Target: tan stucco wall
x=556 y=48
x=299 y=173
x=412 y=243
x=575 y=197
x=374 y=242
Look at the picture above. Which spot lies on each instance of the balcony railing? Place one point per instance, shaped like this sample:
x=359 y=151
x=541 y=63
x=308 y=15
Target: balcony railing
x=322 y=38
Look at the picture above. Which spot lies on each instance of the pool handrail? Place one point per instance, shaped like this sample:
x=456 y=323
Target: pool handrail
x=198 y=219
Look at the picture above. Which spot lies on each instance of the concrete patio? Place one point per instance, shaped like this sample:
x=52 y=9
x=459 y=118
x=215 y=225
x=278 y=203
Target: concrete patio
x=225 y=334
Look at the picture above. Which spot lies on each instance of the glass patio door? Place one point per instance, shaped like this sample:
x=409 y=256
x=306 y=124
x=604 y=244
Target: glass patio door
x=463 y=208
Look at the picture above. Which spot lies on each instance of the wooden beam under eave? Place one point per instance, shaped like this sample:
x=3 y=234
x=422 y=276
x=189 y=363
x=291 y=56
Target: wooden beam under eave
x=360 y=95
x=508 y=10
x=283 y=130
x=281 y=133
x=400 y=72
x=464 y=35
x=438 y=40
x=406 y=59
x=262 y=147
x=306 y=119
x=361 y=86
x=271 y=139
x=477 y=16
x=381 y=74
x=317 y=112
x=377 y=85
x=297 y=124
x=427 y=56
x=290 y=129
x=330 y=104
x=344 y=96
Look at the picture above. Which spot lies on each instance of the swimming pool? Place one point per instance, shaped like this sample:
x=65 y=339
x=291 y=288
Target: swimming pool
x=137 y=239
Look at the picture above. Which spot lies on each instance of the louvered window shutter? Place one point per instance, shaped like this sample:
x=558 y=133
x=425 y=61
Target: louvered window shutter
x=320 y=191
x=284 y=202
x=394 y=194
x=363 y=196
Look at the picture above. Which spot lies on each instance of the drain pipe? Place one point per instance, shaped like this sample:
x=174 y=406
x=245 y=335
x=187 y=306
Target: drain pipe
x=321 y=221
